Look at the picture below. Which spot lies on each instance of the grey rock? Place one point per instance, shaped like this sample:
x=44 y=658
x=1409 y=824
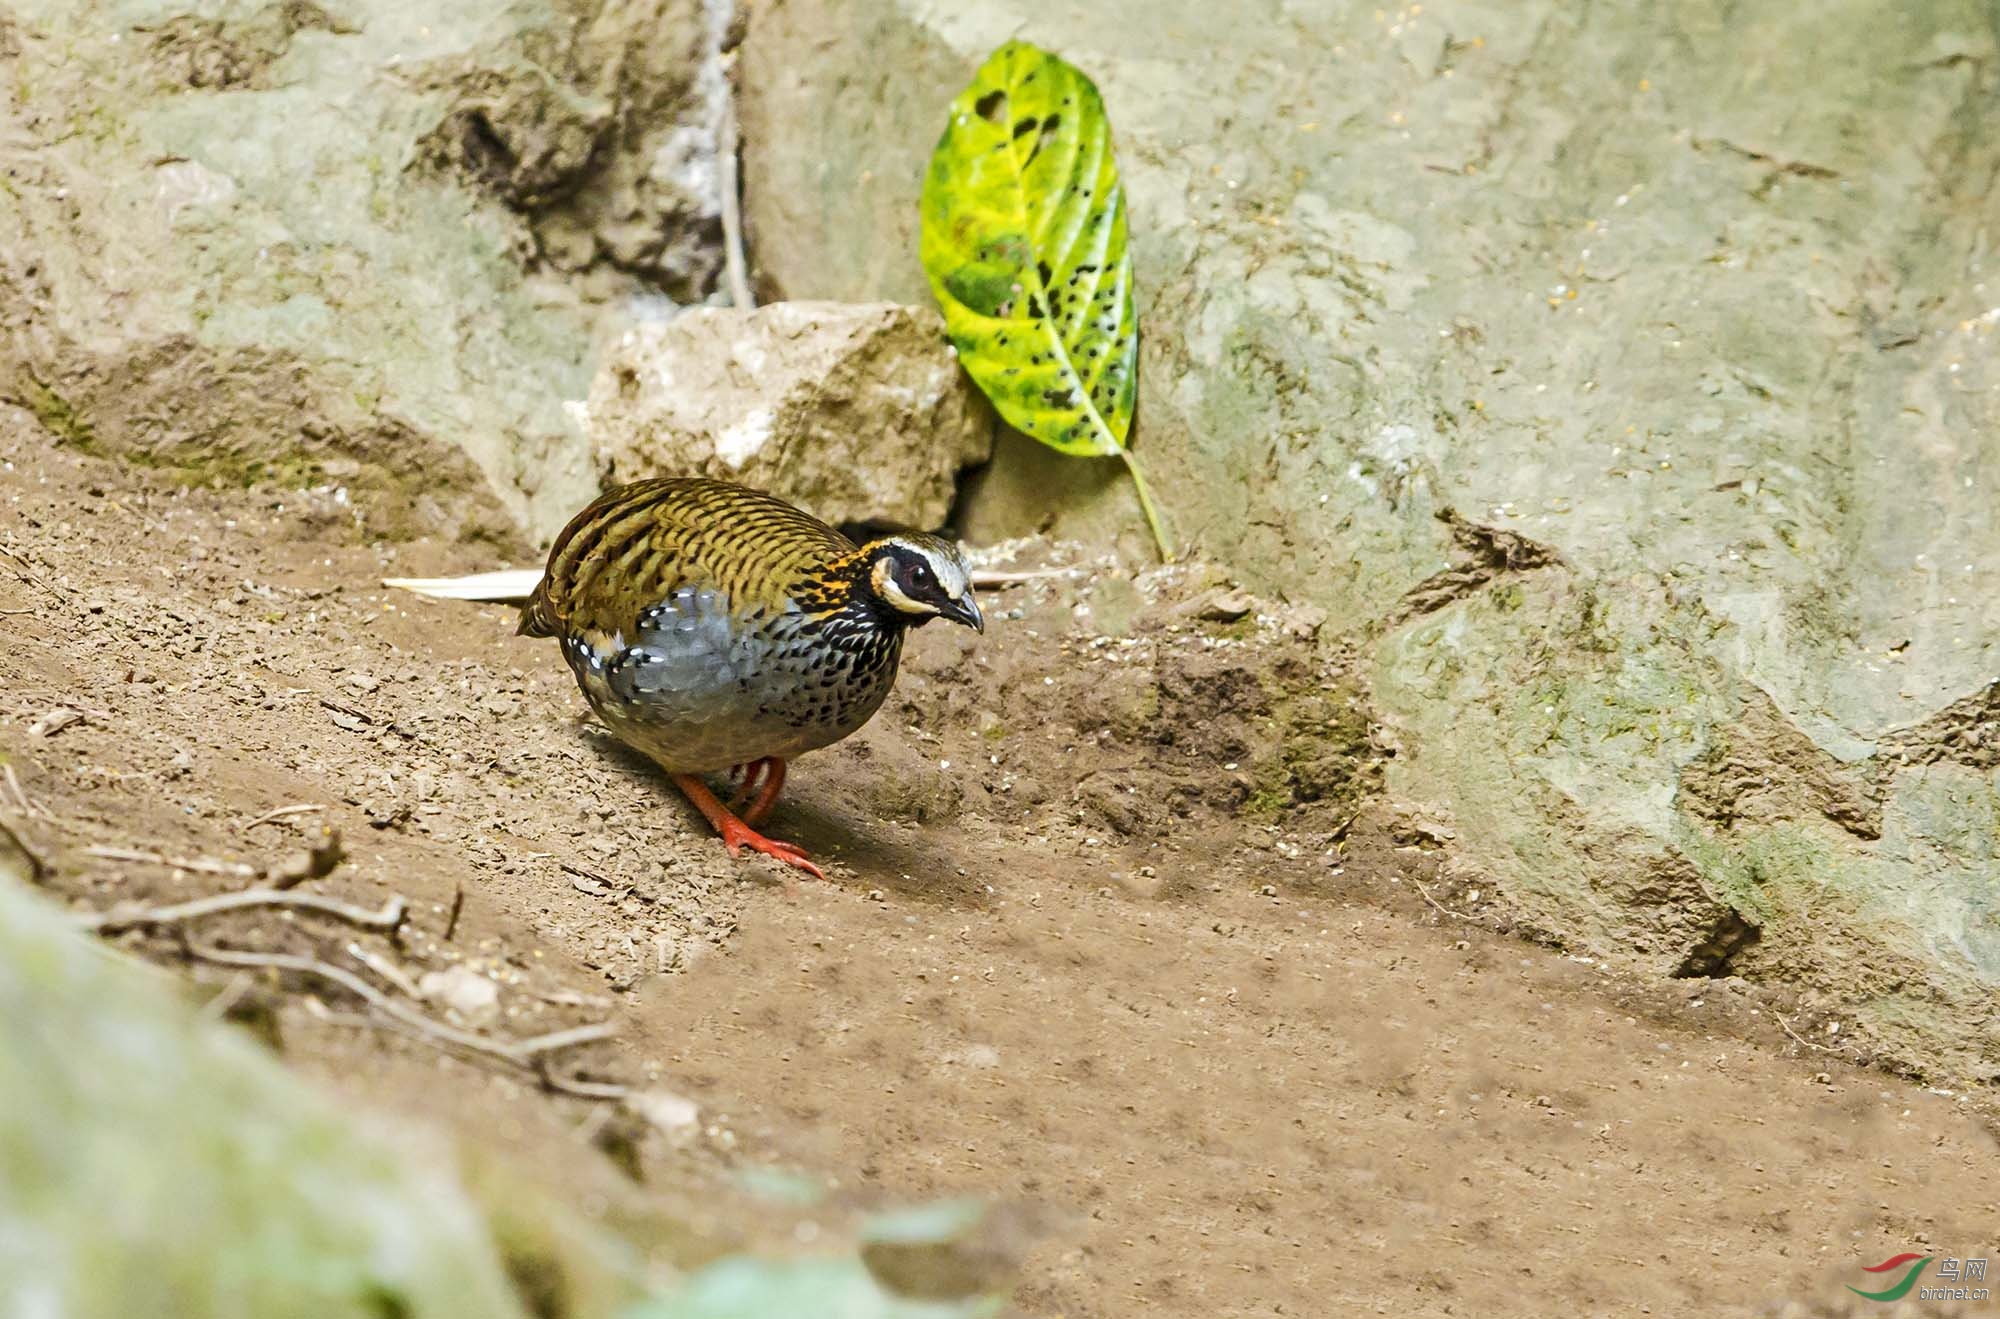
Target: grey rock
x=1707 y=334
x=368 y=244
x=858 y=413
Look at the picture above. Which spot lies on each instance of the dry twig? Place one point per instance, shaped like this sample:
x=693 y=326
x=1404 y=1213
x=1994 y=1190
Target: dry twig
x=315 y=862
x=993 y=578
x=11 y=844
x=1787 y=1027
x=570 y=1085
x=388 y=918
x=27 y=574
x=282 y=813
x=1455 y=915
x=231 y=994
x=522 y=1053
x=385 y=968
x=21 y=797
x=196 y=864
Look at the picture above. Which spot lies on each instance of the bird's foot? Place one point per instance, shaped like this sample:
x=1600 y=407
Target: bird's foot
x=737 y=835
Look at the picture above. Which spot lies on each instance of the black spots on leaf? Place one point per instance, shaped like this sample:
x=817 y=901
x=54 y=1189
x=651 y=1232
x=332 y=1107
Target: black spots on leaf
x=992 y=107
x=1051 y=124
x=1042 y=269
x=1035 y=309
x=1059 y=398
x=1044 y=129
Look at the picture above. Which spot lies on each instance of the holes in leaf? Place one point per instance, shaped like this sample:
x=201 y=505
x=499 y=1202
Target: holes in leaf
x=1050 y=124
x=992 y=107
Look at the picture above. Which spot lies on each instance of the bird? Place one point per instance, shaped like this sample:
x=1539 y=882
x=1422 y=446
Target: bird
x=714 y=627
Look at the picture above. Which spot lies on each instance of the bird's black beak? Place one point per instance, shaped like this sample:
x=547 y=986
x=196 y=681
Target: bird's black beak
x=965 y=610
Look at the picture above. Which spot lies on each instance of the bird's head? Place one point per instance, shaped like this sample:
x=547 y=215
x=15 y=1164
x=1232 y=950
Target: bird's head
x=918 y=577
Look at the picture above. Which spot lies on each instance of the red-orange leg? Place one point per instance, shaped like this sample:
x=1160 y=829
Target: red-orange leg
x=767 y=795
x=747 y=792
x=737 y=835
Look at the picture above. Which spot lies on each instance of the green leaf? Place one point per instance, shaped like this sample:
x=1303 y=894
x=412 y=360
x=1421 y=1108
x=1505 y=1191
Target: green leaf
x=1024 y=244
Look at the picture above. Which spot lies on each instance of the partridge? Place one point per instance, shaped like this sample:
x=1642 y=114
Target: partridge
x=714 y=627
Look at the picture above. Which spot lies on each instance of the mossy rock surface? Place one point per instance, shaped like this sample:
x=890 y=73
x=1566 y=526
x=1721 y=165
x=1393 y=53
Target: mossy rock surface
x=1626 y=394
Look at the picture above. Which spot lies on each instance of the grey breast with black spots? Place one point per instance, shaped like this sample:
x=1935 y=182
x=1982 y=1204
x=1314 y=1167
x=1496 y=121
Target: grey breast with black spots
x=699 y=687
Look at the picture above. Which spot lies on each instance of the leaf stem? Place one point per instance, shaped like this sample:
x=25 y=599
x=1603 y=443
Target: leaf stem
x=1146 y=503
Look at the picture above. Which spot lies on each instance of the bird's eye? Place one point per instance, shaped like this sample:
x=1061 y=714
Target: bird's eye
x=921 y=575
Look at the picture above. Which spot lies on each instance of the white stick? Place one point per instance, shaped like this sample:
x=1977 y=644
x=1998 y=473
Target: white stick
x=507 y=586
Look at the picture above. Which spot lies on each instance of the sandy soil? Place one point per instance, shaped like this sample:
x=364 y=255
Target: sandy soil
x=1104 y=939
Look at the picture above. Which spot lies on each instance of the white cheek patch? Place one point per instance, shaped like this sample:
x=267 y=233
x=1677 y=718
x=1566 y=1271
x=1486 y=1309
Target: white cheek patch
x=894 y=595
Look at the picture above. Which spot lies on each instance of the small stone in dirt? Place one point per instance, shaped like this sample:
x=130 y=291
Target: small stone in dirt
x=462 y=990
x=1225 y=606
x=1301 y=622
x=1141 y=885
x=48 y=725
x=315 y=862
x=674 y=1116
x=361 y=682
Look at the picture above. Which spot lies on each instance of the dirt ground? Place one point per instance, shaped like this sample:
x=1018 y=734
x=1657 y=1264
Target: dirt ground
x=1117 y=932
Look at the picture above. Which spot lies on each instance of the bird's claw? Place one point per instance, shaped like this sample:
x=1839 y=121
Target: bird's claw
x=736 y=836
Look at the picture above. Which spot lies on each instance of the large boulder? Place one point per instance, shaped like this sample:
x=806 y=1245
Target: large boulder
x=1621 y=376
x=366 y=244
x=856 y=411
